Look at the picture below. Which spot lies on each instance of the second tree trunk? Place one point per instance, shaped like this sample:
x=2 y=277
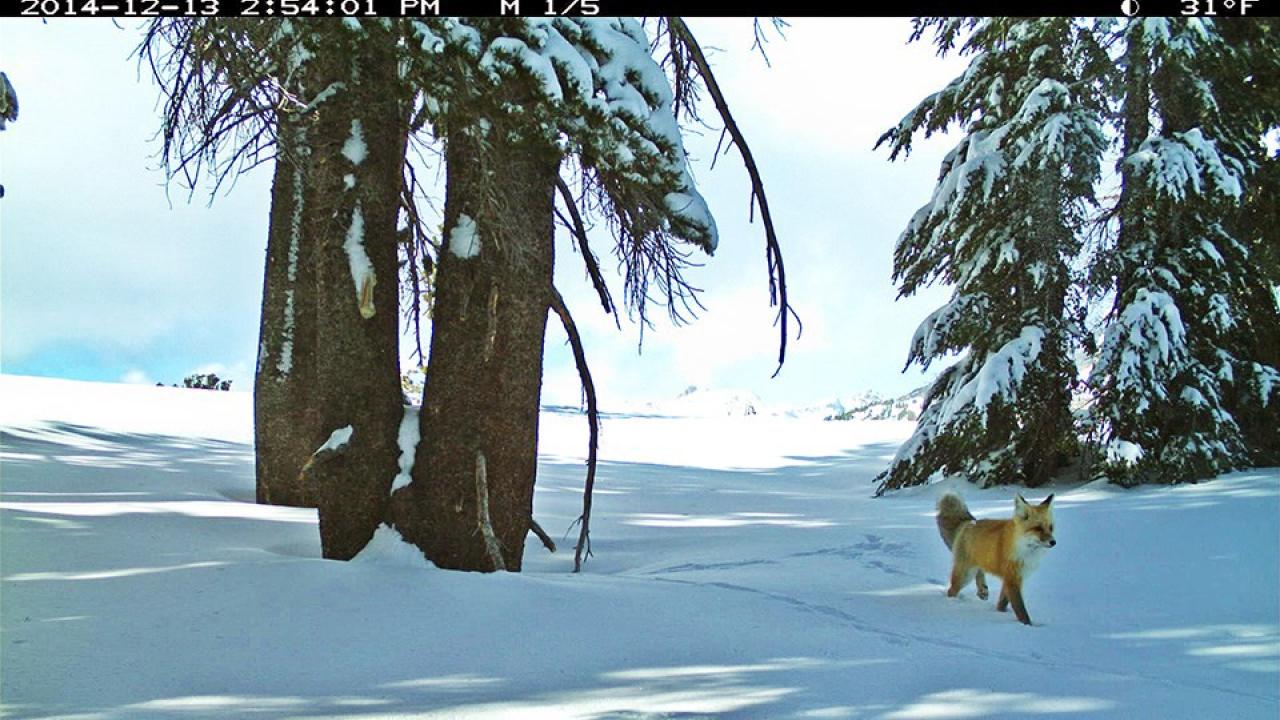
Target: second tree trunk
x=470 y=502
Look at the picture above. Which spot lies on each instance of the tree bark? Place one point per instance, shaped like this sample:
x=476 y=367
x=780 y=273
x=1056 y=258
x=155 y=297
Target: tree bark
x=356 y=158
x=286 y=425
x=475 y=467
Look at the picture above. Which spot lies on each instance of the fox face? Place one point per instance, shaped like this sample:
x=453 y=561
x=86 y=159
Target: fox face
x=1035 y=522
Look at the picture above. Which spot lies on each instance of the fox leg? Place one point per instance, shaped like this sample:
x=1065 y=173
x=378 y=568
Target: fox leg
x=982 y=585
x=960 y=577
x=1014 y=591
x=1003 y=603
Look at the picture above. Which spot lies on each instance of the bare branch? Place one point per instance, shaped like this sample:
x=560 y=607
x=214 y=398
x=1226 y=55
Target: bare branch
x=773 y=253
x=762 y=39
x=222 y=93
x=491 y=545
x=536 y=529
x=653 y=265
x=583 y=549
x=579 y=230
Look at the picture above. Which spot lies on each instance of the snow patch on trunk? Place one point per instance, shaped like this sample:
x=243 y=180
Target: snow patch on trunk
x=464 y=238
x=362 y=274
x=354 y=149
x=337 y=439
x=408 y=440
x=322 y=96
x=285 y=364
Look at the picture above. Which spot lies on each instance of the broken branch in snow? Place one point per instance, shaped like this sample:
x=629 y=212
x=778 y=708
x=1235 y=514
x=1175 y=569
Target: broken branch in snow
x=536 y=529
x=579 y=230
x=491 y=545
x=773 y=253
x=593 y=420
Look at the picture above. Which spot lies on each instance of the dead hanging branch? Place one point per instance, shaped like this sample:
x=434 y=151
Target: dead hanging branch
x=773 y=253
x=576 y=226
x=675 y=58
x=583 y=549
x=652 y=263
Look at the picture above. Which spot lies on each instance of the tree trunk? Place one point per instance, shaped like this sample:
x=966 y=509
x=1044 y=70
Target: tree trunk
x=469 y=506
x=1135 y=237
x=286 y=425
x=1048 y=426
x=356 y=158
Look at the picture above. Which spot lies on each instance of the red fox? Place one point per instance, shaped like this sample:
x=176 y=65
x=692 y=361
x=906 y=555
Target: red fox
x=1010 y=549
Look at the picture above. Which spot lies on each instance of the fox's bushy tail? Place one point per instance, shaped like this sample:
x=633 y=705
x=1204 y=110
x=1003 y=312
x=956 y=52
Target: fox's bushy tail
x=952 y=514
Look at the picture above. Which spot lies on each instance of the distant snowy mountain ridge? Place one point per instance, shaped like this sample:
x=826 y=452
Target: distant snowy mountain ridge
x=697 y=401
x=872 y=406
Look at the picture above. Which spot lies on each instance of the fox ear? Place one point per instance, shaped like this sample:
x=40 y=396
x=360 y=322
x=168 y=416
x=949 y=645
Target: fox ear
x=1048 y=499
x=1020 y=507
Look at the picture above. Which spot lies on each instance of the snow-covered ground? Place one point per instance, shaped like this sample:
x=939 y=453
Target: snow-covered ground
x=741 y=569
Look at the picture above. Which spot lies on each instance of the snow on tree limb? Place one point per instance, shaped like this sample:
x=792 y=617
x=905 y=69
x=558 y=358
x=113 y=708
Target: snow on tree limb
x=601 y=96
x=1178 y=166
x=8 y=101
x=1143 y=345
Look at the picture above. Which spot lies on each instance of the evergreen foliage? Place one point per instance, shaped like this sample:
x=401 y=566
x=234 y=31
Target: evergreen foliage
x=1184 y=364
x=1002 y=228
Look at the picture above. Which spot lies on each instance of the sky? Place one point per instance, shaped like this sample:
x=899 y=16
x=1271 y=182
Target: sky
x=109 y=273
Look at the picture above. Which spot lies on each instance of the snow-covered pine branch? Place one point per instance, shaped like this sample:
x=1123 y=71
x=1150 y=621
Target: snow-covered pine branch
x=602 y=99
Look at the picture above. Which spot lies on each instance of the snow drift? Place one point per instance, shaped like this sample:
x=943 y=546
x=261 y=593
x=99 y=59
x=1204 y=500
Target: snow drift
x=741 y=569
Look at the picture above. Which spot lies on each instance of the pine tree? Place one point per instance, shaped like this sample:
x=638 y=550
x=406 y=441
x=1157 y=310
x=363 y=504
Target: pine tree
x=1178 y=356
x=1248 y=83
x=513 y=99
x=1003 y=228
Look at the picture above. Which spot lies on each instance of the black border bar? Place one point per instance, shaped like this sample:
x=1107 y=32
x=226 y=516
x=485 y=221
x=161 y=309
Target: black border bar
x=275 y=9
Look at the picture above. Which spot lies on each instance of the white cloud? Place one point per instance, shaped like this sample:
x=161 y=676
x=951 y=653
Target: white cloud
x=137 y=377
x=94 y=256
x=832 y=86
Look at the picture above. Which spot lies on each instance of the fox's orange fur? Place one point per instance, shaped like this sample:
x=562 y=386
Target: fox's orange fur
x=1010 y=549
